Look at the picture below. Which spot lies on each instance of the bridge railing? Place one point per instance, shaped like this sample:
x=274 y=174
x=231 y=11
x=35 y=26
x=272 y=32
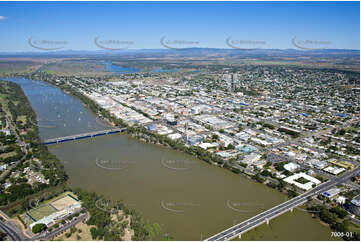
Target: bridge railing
x=83 y=135
x=279 y=205
x=323 y=186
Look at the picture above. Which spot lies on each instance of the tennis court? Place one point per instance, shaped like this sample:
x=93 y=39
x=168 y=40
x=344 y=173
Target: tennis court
x=63 y=202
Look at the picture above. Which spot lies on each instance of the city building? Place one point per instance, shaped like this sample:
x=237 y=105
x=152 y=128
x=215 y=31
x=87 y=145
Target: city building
x=307 y=185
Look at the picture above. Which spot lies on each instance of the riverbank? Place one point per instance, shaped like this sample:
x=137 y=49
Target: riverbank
x=35 y=154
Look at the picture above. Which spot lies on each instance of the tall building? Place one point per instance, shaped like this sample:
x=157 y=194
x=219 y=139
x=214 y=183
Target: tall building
x=234 y=82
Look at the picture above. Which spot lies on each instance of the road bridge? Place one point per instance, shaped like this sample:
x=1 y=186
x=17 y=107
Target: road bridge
x=276 y=211
x=83 y=136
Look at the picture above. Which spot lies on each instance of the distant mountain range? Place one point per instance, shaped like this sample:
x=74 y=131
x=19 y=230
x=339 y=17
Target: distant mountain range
x=192 y=52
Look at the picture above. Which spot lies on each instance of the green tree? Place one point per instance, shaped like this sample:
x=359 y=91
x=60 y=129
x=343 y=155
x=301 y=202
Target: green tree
x=37 y=228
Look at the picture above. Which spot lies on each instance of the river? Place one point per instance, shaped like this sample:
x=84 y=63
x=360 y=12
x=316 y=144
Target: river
x=188 y=198
x=115 y=69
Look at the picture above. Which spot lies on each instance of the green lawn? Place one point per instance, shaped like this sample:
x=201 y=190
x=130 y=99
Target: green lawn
x=302 y=180
x=9 y=154
x=41 y=212
x=354 y=228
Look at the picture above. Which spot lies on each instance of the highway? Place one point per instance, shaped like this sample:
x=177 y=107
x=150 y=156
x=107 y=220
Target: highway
x=10 y=232
x=265 y=216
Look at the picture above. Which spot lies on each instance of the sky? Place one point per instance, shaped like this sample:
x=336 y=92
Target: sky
x=142 y=25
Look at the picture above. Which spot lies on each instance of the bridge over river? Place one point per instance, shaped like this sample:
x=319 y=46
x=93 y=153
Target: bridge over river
x=266 y=216
x=82 y=136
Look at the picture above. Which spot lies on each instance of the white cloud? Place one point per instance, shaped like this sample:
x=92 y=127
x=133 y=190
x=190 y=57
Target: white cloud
x=2 y=18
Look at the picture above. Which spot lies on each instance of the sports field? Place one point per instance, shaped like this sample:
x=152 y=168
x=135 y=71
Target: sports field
x=48 y=207
x=63 y=202
x=42 y=211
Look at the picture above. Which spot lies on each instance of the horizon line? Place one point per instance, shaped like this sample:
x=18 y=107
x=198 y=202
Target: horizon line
x=168 y=49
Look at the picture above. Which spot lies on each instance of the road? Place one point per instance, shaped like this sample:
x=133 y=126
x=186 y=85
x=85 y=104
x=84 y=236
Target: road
x=10 y=232
x=354 y=220
x=13 y=131
x=265 y=216
x=17 y=235
x=84 y=135
x=20 y=143
x=60 y=230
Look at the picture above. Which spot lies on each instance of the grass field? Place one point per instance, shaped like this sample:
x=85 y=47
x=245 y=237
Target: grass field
x=4 y=102
x=75 y=67
x=9 y=154
x=354 y=228
x=22 y=118
x=41 y=212
x=13 y=66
